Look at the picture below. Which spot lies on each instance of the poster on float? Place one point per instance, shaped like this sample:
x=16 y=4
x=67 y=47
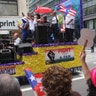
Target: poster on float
x=59 y=55
x=73 y=7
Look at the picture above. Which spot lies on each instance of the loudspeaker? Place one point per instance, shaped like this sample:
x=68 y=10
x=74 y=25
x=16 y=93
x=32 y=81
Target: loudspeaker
x=1 y=46
x=41 y=33
x=25 y=47
x=7 y=55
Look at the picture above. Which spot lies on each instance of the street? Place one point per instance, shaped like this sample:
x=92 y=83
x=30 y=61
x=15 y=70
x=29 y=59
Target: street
x=78 y=81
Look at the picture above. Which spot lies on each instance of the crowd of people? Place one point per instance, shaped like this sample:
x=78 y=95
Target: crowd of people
x=54 y=34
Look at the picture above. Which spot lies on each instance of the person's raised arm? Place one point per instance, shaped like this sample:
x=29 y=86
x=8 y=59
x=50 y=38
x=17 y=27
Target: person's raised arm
x=85 y=68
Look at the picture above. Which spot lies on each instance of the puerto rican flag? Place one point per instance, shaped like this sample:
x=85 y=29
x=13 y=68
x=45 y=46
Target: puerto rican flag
x=35 y=81
x=72 y=12
x=67 y=10
x=62 y=9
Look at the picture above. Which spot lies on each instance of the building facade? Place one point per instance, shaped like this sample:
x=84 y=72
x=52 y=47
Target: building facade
x=8 y=8
x=12 y=7
x=11 y=12
x=89 y=13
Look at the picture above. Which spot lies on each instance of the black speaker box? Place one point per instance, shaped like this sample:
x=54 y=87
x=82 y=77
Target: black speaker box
x=25 y=47
x=7 y=55
x=41 y=33
x=1 y=46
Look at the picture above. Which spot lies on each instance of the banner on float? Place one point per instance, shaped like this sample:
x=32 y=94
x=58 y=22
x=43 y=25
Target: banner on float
x=59 y=55
x=8 y=69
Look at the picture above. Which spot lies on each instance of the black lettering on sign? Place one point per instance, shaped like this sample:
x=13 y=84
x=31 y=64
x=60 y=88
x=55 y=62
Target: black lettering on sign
x=7 y=23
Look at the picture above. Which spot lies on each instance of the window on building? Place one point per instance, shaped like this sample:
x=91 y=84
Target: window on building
x=90 y=24
x=8 y=8
x=86 y=1
x=85 y=11
x=94 y=23
x=42 y=2
x=86 y=24
x=94 y=9
x=89 y=10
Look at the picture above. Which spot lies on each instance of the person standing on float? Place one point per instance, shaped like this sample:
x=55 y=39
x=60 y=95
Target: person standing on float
x=69 y=27
x=54 y=28
x=32 y=23
x=24 y=29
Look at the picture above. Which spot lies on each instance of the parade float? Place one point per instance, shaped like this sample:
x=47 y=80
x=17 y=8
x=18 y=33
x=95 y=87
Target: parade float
x=44 y=55
x=63 y=53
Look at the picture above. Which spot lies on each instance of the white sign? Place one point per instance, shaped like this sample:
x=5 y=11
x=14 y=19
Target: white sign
x=86 y=34
x=59 y=55
x=9 y=23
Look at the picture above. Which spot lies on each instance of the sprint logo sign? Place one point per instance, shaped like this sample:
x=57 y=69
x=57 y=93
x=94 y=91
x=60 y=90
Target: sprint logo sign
x=9 y=23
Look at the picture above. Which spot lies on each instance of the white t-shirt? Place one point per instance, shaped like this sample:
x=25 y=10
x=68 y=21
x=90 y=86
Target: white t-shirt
x=54 y=20
x=32 y=24
x=17 y=41
x=71 y=25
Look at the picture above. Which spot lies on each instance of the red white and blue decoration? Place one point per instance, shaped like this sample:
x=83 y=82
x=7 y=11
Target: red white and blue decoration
x=66 y=9
x=35 y=81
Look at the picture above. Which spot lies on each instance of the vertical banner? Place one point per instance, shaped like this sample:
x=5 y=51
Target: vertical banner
x=73 y=7
x=59 y=55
